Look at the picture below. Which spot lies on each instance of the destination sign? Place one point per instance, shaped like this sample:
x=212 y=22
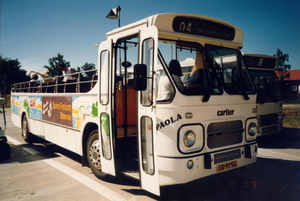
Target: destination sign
x=260 y=62
x=203 y=27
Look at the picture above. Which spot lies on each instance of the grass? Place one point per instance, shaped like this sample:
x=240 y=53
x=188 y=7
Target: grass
x=291 y=118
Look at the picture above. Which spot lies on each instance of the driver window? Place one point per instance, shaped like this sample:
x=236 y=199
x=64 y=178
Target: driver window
x=165 y=89
x=198 y=62
x=189 y=70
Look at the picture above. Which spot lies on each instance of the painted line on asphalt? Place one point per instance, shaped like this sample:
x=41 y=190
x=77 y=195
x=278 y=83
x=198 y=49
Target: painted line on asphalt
x=12 y=140
x=16 y=142
x=97 y=187
x=101 y=189
x=273 y=154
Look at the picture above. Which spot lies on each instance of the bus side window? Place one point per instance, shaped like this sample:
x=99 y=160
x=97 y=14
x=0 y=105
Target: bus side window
x=165 y=89
x=165 y=92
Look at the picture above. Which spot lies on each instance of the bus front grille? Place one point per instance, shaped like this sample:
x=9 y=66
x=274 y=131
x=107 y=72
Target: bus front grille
x=227 y=156
x=268 y=119
x=224 y=133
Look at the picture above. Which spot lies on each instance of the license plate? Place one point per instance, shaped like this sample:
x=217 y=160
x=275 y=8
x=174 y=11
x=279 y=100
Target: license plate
x=227 y=166
x=269 y=129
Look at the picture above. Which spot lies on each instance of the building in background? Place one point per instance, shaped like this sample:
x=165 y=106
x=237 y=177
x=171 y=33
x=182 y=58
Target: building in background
x=290 y=85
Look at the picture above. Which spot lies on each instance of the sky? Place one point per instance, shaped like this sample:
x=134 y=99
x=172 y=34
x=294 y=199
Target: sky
x=33 y=31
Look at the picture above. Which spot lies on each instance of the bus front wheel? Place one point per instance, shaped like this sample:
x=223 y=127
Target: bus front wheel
x=94 y=156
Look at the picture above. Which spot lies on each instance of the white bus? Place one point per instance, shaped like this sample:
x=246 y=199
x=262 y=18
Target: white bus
x=269 y=102
x=120 y=127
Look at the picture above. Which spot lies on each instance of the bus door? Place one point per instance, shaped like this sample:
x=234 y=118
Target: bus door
x=105 y=109
x=146 y=110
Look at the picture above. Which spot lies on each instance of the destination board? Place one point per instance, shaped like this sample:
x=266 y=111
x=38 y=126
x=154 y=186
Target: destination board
x=203 y=27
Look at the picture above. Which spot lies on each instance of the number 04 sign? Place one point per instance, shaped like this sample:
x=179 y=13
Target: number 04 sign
x=203 y=27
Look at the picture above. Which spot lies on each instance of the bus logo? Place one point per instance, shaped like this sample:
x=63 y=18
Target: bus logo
x=225 y=112
x=167 y=122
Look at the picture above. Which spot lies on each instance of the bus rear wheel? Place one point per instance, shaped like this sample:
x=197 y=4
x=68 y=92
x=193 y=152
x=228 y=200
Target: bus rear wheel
x=94 y=156
x=25 y=133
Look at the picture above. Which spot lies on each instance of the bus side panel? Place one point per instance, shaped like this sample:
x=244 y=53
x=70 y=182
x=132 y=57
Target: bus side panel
x=58 y=119
x=66 y=138
x=50 y=132
x=36 y=127
x=16 y=110
x=73 y=120
x=16 y=119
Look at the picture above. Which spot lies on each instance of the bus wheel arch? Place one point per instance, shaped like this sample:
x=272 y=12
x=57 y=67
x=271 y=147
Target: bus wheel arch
x=91 y=151
x=86 y=133
x=94 y=157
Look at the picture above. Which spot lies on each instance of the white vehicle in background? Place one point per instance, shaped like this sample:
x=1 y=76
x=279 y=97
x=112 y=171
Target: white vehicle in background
x=4 y=146
x=269 y=102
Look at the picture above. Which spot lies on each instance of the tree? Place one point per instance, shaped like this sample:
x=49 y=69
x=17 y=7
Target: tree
x=280 y=66
x=10 y=73
x=54 y=71
x=86 y=67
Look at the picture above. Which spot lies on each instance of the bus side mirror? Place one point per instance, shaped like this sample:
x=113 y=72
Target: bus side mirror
x=140 y=77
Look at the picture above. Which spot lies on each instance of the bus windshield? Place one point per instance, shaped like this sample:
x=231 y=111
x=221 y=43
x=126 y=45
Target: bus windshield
x=232 y=70
x=191 y=59
x=267 y=85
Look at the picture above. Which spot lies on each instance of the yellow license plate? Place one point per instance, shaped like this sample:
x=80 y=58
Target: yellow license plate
x=227 y=166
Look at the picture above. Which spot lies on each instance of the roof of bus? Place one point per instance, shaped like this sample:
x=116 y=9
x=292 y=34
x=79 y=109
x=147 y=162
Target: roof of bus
x=163 y=22
x=259 y=55
x=259 y=61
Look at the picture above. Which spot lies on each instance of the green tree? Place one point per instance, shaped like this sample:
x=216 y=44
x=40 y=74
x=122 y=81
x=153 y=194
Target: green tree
x=281 y=66
x=54 y=71
x=77 y=69
x=86 y=67
x=10 y=73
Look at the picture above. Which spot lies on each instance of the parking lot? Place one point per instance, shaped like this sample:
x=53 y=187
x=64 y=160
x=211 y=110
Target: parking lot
x=43 y=171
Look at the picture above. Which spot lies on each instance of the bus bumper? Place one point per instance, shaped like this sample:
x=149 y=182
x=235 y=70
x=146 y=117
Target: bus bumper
x=182 y=170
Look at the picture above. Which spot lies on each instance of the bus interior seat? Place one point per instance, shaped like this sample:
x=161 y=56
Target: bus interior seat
x=175 y=68
x=130 y=83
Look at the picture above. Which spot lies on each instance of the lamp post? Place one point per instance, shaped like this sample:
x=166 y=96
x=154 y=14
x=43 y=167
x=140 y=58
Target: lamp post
x=114 y=14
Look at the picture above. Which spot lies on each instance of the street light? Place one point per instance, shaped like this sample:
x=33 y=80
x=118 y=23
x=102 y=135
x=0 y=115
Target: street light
x=114 y=14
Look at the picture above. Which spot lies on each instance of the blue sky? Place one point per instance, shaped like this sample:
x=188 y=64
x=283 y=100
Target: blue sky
x=33 y=31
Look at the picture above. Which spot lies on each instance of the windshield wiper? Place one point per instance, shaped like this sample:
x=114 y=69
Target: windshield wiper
x=206 y=97
x=221 y=70
x=246 y=97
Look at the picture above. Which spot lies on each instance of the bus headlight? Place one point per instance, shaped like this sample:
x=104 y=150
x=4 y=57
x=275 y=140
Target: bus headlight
x=189 y=138
x=252 y=129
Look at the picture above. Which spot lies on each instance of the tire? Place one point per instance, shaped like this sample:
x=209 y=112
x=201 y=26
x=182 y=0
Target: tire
x=94 y=156
x=25 y=133
x=4 y=151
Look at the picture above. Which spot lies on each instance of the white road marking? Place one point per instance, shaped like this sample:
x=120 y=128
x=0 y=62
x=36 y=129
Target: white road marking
x=12 y=140
x=31 y=151
x=101 y=189
x=285 y=154
x=97 y=187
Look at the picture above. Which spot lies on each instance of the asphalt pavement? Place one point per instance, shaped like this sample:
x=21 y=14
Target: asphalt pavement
x=43 y=171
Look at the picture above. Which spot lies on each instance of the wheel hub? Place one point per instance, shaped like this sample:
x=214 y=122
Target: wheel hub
x=95 y=154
